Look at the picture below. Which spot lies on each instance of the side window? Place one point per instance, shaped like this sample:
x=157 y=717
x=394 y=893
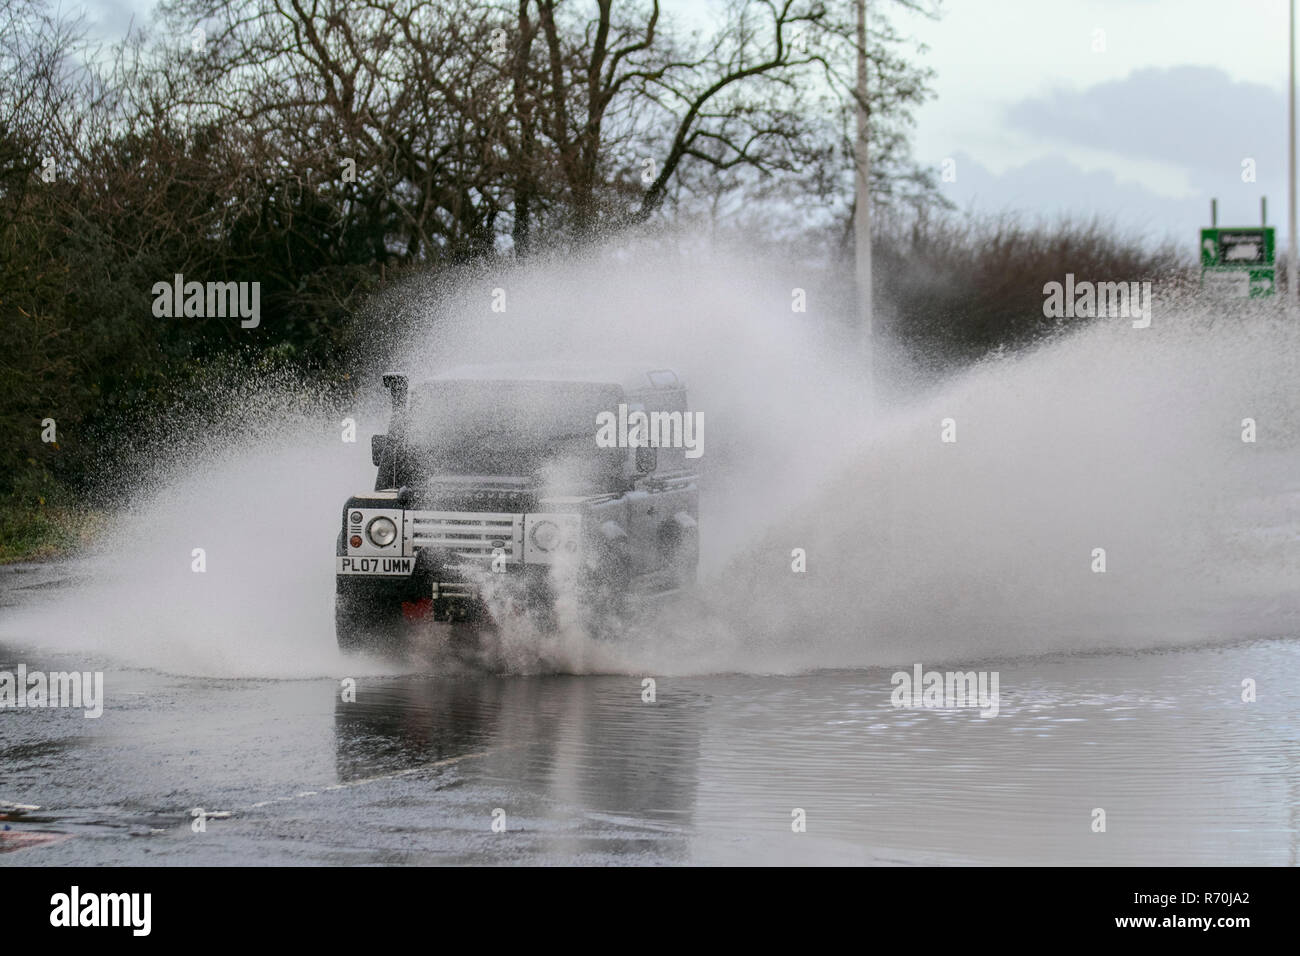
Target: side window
x=631 y=460
x=672 y=426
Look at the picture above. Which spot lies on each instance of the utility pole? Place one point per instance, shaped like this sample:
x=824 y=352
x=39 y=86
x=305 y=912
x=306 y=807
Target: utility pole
x=862 y=204
x=1292 y=279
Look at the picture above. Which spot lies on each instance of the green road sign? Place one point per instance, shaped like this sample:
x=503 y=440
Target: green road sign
x=1238 y=262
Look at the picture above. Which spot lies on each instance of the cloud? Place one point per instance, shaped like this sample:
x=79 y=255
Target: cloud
x=1055 y=186
x=1194 y=117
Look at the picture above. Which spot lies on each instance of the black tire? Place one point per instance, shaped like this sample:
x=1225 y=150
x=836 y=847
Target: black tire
x=605 y=591
x=363 y=625
x=679 y=549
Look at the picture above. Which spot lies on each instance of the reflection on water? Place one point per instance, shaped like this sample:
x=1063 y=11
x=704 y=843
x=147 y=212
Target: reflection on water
x=575 y=752
x=1185 y=771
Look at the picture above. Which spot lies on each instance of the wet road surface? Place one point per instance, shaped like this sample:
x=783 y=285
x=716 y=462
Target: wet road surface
x=424 y=769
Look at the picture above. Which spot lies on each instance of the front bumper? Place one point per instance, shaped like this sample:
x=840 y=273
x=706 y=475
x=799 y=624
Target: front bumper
x=440 y=589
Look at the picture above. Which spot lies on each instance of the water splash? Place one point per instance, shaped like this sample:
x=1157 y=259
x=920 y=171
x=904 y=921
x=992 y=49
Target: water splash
x=917 y=549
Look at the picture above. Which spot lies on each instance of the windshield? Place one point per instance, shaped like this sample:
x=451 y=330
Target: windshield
x=542 y=430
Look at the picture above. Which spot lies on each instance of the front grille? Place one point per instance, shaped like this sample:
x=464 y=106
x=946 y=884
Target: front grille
x=505 y=502
x=469 y=534
x=493 y=493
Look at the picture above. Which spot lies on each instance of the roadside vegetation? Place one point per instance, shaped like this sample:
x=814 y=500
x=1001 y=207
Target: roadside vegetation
x=955 y=288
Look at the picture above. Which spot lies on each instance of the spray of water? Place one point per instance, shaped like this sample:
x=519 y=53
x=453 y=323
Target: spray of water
x=1113 y=438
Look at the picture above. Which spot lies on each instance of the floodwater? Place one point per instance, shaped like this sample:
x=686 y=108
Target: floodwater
x=583 y=769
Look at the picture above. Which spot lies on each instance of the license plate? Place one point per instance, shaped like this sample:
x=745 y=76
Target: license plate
x=358 y=565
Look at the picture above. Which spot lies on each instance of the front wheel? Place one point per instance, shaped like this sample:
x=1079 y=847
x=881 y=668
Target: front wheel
x=604 y=591
x=365 y=625
x=679 y=549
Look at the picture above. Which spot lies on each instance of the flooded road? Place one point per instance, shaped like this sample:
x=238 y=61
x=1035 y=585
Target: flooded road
x=583 y=769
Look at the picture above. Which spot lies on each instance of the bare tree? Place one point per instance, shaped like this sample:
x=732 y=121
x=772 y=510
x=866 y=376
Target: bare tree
x=475 y=120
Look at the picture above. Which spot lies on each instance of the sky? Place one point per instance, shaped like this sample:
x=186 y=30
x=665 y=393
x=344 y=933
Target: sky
x=1143 y=129
x=1138 y=111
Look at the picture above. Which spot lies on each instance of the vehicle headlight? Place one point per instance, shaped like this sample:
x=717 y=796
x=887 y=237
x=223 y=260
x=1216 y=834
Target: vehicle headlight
x=546 y=535
x=381 y=532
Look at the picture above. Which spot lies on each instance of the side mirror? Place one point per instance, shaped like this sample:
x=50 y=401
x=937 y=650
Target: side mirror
x=397 y=387
x=378 y=445
x=647 y=459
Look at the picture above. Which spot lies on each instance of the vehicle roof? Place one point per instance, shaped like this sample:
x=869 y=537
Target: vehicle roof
x=630 y=378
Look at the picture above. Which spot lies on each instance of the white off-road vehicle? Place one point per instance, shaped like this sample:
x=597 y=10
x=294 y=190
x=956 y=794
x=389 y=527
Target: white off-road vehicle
x=492 y=480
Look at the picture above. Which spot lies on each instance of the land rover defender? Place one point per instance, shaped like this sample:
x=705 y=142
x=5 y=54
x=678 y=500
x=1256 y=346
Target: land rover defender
x=494 y=491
